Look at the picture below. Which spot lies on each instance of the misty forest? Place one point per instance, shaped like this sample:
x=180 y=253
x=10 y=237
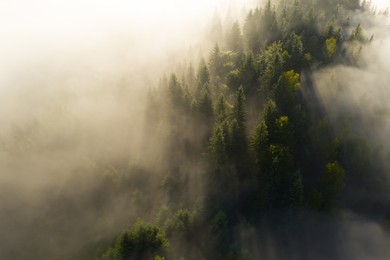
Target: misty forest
x=266 y=141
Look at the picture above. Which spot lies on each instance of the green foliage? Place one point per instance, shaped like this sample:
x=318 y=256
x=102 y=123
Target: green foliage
x=249 y=171
x=184 y=220
x=252 y=38
x=175 y=91
x=215 y=63
x=203 y=76
x=278 y=179
x=331 y=32
x=230 y=60
x=218 y=145
x=239 y=110
x=137 y=243
x=296 y=191
x=270 y=114
x=234 y=39
x=271 y=63
x=330 y=47
x=357 y=34
x=284 y=131
x=259 y=144
x=205 y=104
x=291 y=79
x=221 y=110
x=219 y=222
x=332 y=182
x=286 y=91
x=294 y=47
x=233 y=79
x=261 y=28
x=270 y=29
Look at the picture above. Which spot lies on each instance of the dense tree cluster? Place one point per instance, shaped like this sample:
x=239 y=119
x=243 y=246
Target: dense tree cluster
x=288 y=161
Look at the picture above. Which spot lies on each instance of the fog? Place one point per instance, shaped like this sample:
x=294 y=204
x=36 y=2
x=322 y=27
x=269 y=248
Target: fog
x=73 y=81
x=381 y=4
x=78 y=49
x=89 y=60
x=356 y=101
x=74 y=77
x=359 y=94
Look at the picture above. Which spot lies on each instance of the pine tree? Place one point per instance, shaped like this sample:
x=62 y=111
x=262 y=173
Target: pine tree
x=202 y=78
x=234 y=39
x=216 y=65
x=221 y=110
x=249 y=75
x=332 y=183
x=240 y=109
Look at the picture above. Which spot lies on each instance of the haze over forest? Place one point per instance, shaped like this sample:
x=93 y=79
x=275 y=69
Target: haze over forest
x=194 y=129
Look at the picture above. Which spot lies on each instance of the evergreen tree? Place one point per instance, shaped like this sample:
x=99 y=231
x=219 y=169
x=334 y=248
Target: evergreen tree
x=205 y=139
x=270 y=27
x=202 y=78
x=249 y=75
x=222 y=182
x=286 y=91
x=138 y=243
x=175 y=92
x=271 y=64
x=332 y=183
x=221 y=110
x=240 y=109
x=205 y=105
x=216 y=65
x=190 y=77
x=295 y=49
x=270 y=114
x=251 y=37
x=234 y=39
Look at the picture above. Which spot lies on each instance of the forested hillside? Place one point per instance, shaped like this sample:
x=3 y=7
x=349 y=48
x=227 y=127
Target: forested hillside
x=265 y=141
x=250 y=159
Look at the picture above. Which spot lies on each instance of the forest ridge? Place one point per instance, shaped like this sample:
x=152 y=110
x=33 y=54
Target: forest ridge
x=247 y=141
x=264 y=139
